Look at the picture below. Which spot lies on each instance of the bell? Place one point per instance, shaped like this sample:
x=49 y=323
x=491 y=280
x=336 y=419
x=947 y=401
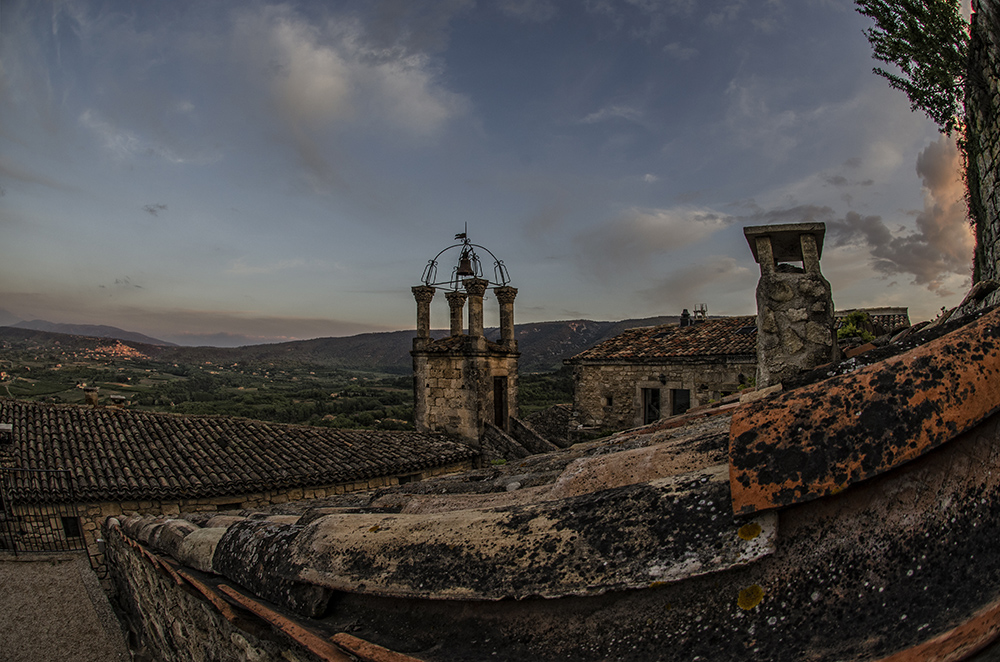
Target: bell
x=465 y=266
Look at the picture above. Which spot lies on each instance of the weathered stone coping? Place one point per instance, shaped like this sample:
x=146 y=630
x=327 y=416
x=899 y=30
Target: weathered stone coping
x=819 y=439
x=629 y=537
x=625 y=538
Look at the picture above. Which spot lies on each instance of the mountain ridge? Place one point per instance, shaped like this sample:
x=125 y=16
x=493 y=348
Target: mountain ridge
x=543 y=345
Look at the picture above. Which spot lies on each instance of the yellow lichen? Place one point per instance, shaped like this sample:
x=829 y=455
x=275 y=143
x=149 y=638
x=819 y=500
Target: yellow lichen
x=750 y=597
x=375 y=528
x=749 y=531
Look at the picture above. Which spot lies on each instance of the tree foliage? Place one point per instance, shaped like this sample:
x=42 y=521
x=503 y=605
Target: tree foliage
x=928 y=40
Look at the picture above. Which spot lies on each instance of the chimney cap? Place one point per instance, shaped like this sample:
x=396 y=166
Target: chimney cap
x=785 y=239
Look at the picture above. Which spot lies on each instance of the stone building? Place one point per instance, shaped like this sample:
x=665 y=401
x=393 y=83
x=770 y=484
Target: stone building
x=464 y=382
x=637 y=377
x=67 y=468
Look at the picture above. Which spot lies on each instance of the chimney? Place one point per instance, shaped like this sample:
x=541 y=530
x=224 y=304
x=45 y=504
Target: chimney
x=795 y=326
x=685 y=318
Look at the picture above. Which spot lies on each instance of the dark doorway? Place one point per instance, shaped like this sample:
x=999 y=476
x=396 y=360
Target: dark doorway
x=500 y=413
x=680 y=401
x=650 y=405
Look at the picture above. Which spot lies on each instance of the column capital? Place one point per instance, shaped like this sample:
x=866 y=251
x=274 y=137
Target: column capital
x=455 y=298
x=505 y=293
x=423 y=293
x=476 y=287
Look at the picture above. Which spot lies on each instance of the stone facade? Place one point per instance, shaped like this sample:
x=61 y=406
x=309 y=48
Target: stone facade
x=647 y=373
x=615 y=397
x=464 y=382
x=795 y=315
x=983 y=140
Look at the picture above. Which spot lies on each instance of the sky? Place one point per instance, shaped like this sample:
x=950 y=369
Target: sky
x=228 y=173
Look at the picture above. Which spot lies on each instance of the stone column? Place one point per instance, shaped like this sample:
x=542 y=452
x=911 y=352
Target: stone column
x=456 y=301
x=505 y=295
x=476 y=288
x=810 y=253
x=764 y=254
x=423 y=295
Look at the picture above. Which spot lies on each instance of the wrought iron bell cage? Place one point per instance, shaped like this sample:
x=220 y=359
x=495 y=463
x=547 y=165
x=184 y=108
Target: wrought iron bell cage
x=467 y=265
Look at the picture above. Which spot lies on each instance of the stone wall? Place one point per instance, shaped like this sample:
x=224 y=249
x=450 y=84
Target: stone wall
x=166 y=622
x=983 y=135
x=455 y=392
x=609 y=396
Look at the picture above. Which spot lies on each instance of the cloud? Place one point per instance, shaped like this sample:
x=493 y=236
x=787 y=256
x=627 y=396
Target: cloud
x=125 y=144
x=240 y=267
x=684 y=287
x=322 y=77
x=943 y=242
x=679 y=52
x=11 y=171
x=638 y=234
x=613 y=112
x=412 y=26
x=536 y=11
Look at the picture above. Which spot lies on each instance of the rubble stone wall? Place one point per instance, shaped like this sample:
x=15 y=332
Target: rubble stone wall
x=982 y=112
x=610 y=396
x=167 y=622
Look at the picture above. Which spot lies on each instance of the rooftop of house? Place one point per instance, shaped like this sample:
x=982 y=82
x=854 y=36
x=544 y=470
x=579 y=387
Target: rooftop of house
x=677 y=521
x=721 y=336
x=119 y=454
x=886 y=319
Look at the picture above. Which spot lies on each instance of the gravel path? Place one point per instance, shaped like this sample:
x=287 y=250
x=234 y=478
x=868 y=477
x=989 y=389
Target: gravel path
x=52 y=608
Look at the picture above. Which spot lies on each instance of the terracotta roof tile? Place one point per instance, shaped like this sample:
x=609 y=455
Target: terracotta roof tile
x=714 y=337
x=121 y=454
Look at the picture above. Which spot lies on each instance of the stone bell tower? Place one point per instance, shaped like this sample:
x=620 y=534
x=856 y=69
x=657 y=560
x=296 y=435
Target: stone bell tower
x=464 y=381
x=795 y=324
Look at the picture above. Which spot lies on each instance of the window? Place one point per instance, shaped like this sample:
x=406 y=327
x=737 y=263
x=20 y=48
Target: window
x=500 y=414
x=680 y=399
x=71 y=527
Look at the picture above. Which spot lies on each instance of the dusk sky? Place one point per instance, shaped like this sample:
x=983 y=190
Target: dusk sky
x=240 y=172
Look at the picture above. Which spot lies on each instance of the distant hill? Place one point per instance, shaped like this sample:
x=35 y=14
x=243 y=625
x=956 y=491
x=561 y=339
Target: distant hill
x=92 y=330
x=8 y=318
x=543 y=345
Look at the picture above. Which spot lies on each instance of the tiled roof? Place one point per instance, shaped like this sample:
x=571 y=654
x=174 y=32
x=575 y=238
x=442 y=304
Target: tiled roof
x=120 y=454
x=884 y=319
x=714 y=337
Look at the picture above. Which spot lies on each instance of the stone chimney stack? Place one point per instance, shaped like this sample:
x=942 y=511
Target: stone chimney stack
x=795 y=324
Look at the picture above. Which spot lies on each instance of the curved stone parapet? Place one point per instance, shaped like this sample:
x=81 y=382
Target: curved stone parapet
x=820 y=439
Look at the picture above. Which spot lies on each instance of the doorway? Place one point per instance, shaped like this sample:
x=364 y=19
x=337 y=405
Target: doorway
x=650 y=405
